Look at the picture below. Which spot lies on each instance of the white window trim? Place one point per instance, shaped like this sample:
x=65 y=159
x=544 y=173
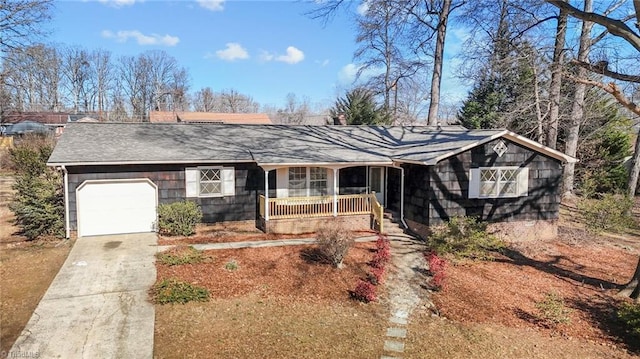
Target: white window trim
x=522 y=182
x=308 y=181
x=227 y=182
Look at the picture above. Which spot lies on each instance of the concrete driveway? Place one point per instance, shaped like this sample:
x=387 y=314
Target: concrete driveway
x=97 y=306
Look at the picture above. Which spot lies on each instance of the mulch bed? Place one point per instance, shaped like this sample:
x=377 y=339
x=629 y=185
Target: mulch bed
x=289 y=271
x=586 y=274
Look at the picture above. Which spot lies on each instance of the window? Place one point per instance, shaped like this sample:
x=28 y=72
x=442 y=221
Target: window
x=297 y=181
x=307 y=181
x=210 y=181
x=496 y=182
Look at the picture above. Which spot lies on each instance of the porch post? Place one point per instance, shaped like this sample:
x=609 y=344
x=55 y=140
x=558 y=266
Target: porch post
x=335 y=192
x=266 y=196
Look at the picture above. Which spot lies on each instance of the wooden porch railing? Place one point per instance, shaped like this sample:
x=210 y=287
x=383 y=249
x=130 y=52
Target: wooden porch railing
x=378 y=212
x=322 y=206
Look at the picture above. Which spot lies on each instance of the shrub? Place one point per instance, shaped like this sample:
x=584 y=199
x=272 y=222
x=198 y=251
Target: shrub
x=612 y=212
x=179 y=218
x=381 y=258
x=334 y=241
x=629 y=314
x=464 y=237
x=181 y=255
x=552 y=309
x=38 y=204
x=175 y=291
x=364 y=292
x=383 y=243
x=231 y=265
x=376 y=275
x=437 y=269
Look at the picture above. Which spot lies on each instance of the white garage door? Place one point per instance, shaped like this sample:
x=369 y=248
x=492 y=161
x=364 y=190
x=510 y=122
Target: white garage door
x=115 y=207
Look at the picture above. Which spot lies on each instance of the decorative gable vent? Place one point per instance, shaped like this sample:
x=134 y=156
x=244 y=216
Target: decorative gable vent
x=500 y=148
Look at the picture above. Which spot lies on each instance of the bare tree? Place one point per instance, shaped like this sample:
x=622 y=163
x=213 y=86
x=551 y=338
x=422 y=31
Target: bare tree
x=75 y=69
x=31 y=78
x=577 y=110
x=294 y=111
x=555 y=86
x=101 y=79
x=231 y=101
x=21 y=22
x=204 y=100
x=621 y=30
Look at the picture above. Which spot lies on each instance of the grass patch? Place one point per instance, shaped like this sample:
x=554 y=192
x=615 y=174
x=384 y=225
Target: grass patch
x=610 y=213
x=464 y=237
x=175 y=291
x=629 y=315
x=181 y=255
x=552 y=310
x=231 y=265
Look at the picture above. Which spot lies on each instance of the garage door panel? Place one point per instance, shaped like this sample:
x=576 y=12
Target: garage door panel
x=116 y=207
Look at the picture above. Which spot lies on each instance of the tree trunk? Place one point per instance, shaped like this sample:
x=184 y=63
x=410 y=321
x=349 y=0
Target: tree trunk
x=438 y=57
x=556 y=80
x=634 y=172
x=632 y=289
x=577 y=110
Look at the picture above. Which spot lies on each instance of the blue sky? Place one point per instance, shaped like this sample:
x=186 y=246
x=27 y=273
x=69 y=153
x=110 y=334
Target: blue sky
x=265 y=49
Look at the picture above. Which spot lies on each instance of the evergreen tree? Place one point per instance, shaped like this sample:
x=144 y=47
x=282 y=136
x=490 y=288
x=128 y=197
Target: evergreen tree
x=39 y=202
x=359 y=108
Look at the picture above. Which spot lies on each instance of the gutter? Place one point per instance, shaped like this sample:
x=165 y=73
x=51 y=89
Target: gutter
x=66 y=201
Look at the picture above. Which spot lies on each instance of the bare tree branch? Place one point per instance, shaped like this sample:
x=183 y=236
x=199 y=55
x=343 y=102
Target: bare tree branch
x=601 y=69
x=615 y=27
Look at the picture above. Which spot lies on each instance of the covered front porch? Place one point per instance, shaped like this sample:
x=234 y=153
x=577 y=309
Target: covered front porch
x=297 y=199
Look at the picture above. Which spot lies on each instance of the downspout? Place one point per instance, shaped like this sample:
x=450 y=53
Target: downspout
x=65 y=182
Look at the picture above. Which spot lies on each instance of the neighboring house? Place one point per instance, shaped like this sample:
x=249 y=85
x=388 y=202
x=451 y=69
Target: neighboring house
x=209 y=117
x=18 y=123
x=289 y=178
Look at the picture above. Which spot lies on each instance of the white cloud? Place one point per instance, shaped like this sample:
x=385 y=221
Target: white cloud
x=266 y=56
x=363 y=7
x=118 y=3
x=293 y=56
x=142 y=39
x=349 y=73
x=322 y=63
x=233 y=51
x=213 y=5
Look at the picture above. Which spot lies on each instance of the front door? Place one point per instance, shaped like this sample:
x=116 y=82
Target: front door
x=376 y=182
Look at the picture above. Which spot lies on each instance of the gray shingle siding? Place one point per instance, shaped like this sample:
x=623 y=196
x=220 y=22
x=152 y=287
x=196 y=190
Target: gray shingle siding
x=249 y=181
x=436 y=193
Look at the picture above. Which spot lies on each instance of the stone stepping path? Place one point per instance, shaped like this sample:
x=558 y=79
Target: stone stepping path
x=407 y=276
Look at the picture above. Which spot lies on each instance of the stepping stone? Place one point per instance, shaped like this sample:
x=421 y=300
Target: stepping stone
x=398 y=320
x=402 y=314
x=397 y=332
x=393 y=346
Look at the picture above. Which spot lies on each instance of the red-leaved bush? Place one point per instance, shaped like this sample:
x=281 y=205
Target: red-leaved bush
x=437 y=268
x=383 y=243
x=376 y=275
x=365 y=291
x=380 y=258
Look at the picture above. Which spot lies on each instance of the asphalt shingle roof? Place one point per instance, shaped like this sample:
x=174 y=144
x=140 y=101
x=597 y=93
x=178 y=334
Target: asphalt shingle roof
x=121 y=143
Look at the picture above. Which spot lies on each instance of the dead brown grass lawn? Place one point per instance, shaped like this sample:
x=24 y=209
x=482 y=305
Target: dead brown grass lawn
x=26 y=271
x=256 y=327
x=430 y=337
